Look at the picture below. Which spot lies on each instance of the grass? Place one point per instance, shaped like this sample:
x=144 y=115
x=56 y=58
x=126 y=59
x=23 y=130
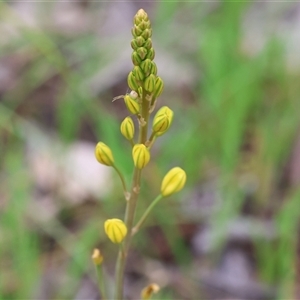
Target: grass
x=243 y=120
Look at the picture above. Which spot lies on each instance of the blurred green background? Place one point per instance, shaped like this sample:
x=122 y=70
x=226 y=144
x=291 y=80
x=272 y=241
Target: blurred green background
x=231 y=73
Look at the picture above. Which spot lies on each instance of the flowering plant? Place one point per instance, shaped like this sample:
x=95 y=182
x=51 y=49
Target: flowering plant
x=146 y=87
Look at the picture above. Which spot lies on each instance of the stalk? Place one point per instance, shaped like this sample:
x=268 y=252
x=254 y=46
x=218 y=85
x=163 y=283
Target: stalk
x=131 y=205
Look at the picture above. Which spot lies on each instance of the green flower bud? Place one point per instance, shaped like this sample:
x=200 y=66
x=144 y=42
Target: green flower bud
x=140 y=41
x=140 y=91
x=151 y=54
x=136 y=60
x=132 y=83
x=159 y=86
x=173 y=181
x=136 y=31
x=140 y=16
x=140 y=155
x=115 y=229
x=131 y=105
x=149 y=83
x=144 y=24
x=142 y=52
x=153 y=68
x=127 y=128
x=146 y=34
x=138 y=73
x=134 y=44
x=146 y=66
x=162 y=120
x=104 y=154
x=148 y=44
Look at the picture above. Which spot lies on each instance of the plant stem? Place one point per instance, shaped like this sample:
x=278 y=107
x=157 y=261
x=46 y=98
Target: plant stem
x=123 y=182
x=136 y=228
x=131 y=204
x=100 y=277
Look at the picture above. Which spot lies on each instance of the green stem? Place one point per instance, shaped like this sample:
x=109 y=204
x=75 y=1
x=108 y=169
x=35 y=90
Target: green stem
x=123 y=182
x=131 y=143
x=151 y=140
x=131 y=204
x=100 y=276
x=136 y=228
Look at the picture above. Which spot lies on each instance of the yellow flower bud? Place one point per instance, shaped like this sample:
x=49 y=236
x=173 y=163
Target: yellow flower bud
x=162 y=120
x=153 y=69
x=140 y=155
x=159 y=86
x=131 y=104
x=138 y=73
x=104 y=155
x=149 y=290
x=146 y=66
x=136 y=60
x=132 y=82
x=115 y=229
x=173 y=181
x=97 y=257
x=150 y=83
x=127 y=128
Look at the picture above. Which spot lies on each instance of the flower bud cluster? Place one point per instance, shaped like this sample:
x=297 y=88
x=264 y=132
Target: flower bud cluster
x=144 y=72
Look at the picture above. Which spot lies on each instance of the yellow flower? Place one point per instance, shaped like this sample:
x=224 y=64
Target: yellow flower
x=140 y=155
x=173 y=181
x=149 y=290
x=115 y=229
x=127 y=128
x=104 y=154
x=162 y=120
x=97 y=257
